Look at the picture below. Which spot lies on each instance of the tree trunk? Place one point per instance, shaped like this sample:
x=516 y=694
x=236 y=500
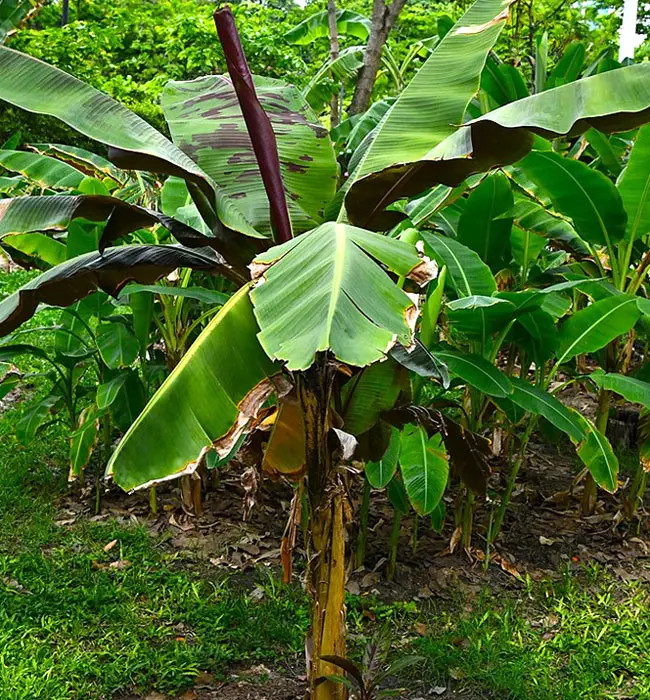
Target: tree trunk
x=383 y=18
x=326 y=541
x=335 y=116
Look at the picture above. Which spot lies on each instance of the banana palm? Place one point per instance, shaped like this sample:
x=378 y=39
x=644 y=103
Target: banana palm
x=319 y=322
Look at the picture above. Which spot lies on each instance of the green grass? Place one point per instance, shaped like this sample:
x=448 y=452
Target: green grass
x=587 y=636
x=70 y=628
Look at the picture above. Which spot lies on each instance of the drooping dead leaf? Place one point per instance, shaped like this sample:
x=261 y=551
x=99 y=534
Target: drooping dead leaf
x=455 y=539
x=183 y=523
x=421 y=628
x=289 y=537
x=347 y=442
x=353 y=588
x=478 y=28
x=287 y=560
x=423 y=273
x=285 y=451
x=508 y=567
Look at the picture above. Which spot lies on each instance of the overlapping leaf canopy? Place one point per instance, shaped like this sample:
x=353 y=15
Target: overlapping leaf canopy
x=617 y=100
x=110 y=271
x=38 y=87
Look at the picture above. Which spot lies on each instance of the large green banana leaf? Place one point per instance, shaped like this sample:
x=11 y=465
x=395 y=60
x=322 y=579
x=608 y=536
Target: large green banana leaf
x=77 y=278
x=38 y=87
x=367 y=395
x=20 y=215
x=618 y=100
x=380 y=473
x=206 y=122
x=424 y=466
x=475 y=370
x=210 y=399
x=634 y=186
x=532 y=218
x=468 y=274
x=323 y=291
x=431 y=106
x=538 y=402
x=630 y=388
x=88 y=162
x=38 y=247
x=54 y=213
x=597 y=454
x=43 y=170
x=592 y=328
x=485 y=224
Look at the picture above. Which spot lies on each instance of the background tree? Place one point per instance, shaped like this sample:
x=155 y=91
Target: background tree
x=383 y=19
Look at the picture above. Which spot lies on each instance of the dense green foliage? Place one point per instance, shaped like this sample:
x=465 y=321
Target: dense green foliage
x=130 y=49
x=428 y=277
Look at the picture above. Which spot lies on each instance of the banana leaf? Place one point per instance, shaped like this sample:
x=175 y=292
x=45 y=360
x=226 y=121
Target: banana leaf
x=324 y=291
x=44 y=171
x=618 y=100
x=316 y=26
x=206 y=122
x=426 y=112
x=38 y=87
x=634 y=187
x=210 y=400
x=77 y=278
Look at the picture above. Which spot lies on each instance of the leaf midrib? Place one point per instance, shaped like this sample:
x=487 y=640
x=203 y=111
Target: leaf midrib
x=338 y=267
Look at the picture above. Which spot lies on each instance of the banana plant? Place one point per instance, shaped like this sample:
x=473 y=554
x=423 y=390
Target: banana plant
x=327 y=302
x=503 y=232
x=94 y=381
x=612 y=221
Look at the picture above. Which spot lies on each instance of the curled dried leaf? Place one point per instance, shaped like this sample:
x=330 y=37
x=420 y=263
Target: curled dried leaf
x=423 y=273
